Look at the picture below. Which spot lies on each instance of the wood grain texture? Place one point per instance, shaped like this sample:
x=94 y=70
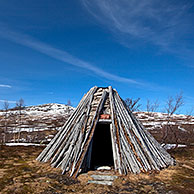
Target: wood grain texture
x=134 y=149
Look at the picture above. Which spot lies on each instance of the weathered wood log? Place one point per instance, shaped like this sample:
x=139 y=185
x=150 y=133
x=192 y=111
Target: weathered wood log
x=113 y=133
x=45 y=151
x=76 y=166
x=128 y=152
x=134 y=149
x=61 y=135
x=84 y=118
x=157 y=156
x=142 y=141
x=133 y=141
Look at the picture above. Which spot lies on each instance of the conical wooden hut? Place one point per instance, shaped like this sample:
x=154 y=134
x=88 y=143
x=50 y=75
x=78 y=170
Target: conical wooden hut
x=103 y=131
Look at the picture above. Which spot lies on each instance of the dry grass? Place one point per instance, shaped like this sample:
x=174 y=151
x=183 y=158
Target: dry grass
x=20 y=173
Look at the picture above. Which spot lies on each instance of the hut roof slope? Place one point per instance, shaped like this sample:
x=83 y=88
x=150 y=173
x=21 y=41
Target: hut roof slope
x=134 y=149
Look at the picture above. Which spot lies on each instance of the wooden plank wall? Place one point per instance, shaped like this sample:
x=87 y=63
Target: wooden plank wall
x=134 y=149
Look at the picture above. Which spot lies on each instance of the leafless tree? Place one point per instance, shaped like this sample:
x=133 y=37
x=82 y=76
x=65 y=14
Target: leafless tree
x=6 y=108
x=189 y=136
x=20 y=106
x=6 y=105
x=133 y=104
x=190 y=113
x=69 y=103
x=172 y=106
x=152 y=106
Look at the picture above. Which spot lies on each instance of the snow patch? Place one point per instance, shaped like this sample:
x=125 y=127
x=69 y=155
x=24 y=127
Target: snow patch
x=24 y=144
x=182 y=129
x=171 y=146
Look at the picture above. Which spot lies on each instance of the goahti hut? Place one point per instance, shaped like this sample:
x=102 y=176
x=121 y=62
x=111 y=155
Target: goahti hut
x=102 y=131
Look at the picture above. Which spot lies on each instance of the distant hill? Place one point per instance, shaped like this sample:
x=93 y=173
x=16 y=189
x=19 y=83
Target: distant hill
x=40 y=123
x=35 y=124
x=156 y=122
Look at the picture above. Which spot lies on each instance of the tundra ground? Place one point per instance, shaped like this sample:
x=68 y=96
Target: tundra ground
x=20 y=173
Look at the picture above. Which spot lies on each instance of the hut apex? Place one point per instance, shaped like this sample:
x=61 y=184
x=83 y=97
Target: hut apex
x=102 y=131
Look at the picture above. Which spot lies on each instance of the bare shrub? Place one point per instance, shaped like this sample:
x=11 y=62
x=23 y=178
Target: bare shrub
x=6 y=108
x=20 y=106
x=152 y=106
x=171 y=128
x=133 y=104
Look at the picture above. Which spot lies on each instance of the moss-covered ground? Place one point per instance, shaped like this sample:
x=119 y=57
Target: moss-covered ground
x=20 y=173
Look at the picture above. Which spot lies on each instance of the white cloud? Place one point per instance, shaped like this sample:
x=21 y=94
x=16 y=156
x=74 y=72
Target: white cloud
x=5 y=86
x=162 y=23
x=61 y=55
x=9 y=101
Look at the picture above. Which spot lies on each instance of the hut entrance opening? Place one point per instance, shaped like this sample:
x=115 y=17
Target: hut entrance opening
x=102 y=154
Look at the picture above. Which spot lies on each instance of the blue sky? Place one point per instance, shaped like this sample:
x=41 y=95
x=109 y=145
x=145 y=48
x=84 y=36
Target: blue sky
x=52 y=51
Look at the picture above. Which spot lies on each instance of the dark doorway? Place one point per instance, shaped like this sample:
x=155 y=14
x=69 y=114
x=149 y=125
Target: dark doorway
x=102 y=154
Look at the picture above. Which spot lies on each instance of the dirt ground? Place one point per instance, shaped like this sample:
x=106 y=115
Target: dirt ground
x=20 y=173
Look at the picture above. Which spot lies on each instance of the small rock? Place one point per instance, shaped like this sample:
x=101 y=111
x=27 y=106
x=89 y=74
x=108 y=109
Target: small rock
x=104 y=168
x=101 y=182
x=104 y=177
